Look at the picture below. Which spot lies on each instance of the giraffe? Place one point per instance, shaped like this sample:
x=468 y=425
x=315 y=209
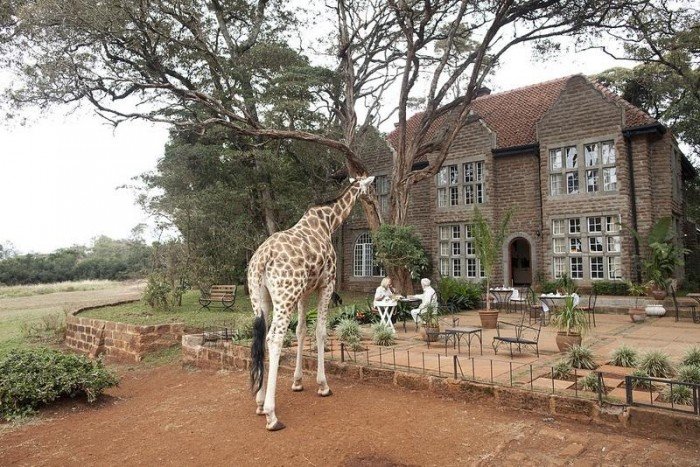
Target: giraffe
x=282 y=274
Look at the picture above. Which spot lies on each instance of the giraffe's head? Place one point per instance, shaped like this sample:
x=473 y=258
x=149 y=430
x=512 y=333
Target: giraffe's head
x=364 y=183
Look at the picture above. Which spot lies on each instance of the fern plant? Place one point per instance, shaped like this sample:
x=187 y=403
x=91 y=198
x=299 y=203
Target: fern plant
x=656 y=364
x=691 y=356
x=580 y=356
x=624 y=356
x=382 y=335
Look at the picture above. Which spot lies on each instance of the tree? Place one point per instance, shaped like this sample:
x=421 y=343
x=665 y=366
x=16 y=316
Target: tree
x=488 y=243
x=399 y=250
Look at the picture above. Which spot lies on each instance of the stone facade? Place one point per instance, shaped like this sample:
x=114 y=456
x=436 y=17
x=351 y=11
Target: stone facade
x=576 y=113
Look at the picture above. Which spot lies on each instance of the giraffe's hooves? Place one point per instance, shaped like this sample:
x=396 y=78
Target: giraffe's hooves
x=325 y=393
x=260 y=411
x=297 y=387
x=275 y=426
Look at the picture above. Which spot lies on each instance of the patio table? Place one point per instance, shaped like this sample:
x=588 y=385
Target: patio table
x=469 y=332
x=386 y=308
x=410 y=302
x=502 y=295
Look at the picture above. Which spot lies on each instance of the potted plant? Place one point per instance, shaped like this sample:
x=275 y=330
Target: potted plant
x=431 y=323
x=571 y=322
x=488 y=246
x=637 y=314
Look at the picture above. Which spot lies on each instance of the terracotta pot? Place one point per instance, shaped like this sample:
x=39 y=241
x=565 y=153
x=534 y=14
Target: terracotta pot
x=658 y=294
x=488 y=319
x=430 y=329
x=638 y=315
x=565 y=341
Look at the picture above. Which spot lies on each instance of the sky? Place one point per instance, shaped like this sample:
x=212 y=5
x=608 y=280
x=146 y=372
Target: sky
x=59 y=173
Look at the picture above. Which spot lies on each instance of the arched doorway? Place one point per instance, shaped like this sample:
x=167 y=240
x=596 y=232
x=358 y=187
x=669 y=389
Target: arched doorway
x=520 y=262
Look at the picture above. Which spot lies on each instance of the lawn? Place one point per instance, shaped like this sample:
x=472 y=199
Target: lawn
x=194 y=317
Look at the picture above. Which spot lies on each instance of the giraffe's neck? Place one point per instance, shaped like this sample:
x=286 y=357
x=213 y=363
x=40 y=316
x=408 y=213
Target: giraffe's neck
x=331 y=216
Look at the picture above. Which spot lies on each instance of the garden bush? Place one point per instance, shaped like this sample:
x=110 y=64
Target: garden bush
x=580 y=356
x=158 y=293
x=691 y=356
x=624 y=356
x=460 y=294
x=548 y=286
x=678 y=394
x=348 y=330
x=610 y=288
x=34 y=377
x=591 y=382
x=382 y=335
x=562 y=370
x=640 y=383
x=656 y=364
x=689 y=374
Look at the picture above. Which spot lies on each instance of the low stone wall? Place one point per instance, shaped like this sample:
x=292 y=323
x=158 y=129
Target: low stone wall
x=228 y=356
x=119 y=341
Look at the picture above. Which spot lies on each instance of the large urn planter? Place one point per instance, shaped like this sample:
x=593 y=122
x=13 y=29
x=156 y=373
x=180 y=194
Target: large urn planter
x=430 y=333
x=638 y=315
x=658 y=294
x=655 y=309
x=489 y=319
x=566 y=341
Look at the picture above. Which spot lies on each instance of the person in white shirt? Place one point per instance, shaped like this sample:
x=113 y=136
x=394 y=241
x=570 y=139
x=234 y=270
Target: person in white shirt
x=384 y=291
x=428 y=297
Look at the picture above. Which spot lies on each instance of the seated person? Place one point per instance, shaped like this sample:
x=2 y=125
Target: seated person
x=384 y=291
x=428 y=297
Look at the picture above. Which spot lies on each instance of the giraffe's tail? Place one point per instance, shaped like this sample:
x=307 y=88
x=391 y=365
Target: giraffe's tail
x=257 y=353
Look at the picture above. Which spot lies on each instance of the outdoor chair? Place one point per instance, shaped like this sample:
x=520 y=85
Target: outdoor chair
x=590 y=309
x=684 y=307
x=520 y=335
x=518 y=304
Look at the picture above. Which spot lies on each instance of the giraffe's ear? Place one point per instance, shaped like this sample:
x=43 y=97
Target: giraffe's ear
x=352 y=180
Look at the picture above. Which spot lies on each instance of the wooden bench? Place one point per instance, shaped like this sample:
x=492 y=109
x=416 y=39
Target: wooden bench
x=222 y=296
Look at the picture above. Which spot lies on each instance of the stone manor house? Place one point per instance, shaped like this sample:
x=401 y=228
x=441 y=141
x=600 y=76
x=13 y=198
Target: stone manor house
x=574 y=161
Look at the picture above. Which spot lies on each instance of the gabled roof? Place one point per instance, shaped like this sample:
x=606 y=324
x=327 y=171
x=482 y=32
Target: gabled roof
x=513 y=115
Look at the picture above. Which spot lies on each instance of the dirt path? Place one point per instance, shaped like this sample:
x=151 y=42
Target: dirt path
x=167 y=415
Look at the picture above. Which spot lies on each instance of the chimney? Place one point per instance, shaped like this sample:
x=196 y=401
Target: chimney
x=483 y=91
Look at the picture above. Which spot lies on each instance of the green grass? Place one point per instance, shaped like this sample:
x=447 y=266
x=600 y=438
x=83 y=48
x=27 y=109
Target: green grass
x=43 y=289
x=191 y=314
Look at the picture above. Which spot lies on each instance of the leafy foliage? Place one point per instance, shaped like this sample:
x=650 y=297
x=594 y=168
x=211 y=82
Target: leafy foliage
x=591 y=382
x=348 y=330
x=678 y=394
x=34 y=377
x=580 y=356
x=624 y=356
x=610 y=288
x=51 y=329
x=562 y=370
x=640 y=383
x=488 y=243
x=399 y=247
x=665 y=254
x=689 y=374
x=459 y=293
x=691 y=356
x=570 y=318
x=158 y=293
x=382 y=335
x=656 y=364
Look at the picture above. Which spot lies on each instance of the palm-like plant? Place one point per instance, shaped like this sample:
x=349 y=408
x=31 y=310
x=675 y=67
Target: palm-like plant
x=488 y=244
x=570 y=318
x=665 y=255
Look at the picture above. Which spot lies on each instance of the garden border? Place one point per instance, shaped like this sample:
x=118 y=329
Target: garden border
x=225 y=355
x=118 y=341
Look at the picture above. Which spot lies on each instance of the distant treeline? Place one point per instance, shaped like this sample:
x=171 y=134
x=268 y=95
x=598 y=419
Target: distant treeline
x=105 y=259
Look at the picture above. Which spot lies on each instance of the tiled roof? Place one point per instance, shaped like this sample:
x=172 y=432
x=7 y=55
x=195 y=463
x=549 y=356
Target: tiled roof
x=513 y=115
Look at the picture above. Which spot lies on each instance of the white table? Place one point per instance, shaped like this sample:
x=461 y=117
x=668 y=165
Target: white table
x=553 y=302
x=502 y=295
x=386 y=308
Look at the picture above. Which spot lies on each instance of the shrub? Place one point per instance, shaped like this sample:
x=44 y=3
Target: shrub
x=640 y=383
x=562 y=370
x=244 y=328
x=157 y=293
x=678 y=394
x=624 y=356
x=459 y=293
x=691 y=356
x=39 y=376
x=348 y=330
x=689 y=374
x=346 y=312
x=580 y=356
x=548 y=286
x=382 y=335
x=656 y=364
x=610 y=288
x=50 y=329
x=591 y=382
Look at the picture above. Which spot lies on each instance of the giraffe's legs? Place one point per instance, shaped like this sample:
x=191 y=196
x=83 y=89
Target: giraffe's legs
x=301 y=334
x=275 y=338
x=324 y=298
x=262 y=300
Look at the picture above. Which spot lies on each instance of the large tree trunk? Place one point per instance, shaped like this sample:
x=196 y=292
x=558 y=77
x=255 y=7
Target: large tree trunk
x=401 y=278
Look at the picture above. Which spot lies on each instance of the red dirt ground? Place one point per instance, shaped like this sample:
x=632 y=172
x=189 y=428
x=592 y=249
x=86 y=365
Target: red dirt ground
x=168 y=415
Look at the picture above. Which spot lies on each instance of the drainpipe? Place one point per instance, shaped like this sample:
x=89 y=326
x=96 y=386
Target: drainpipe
x=633 y=204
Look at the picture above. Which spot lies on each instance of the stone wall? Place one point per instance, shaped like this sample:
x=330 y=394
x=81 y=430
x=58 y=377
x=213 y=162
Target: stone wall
x=229 y=356
x=119 y=341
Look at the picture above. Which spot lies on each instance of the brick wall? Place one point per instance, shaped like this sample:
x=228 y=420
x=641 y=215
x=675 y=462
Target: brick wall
x=119 y=341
